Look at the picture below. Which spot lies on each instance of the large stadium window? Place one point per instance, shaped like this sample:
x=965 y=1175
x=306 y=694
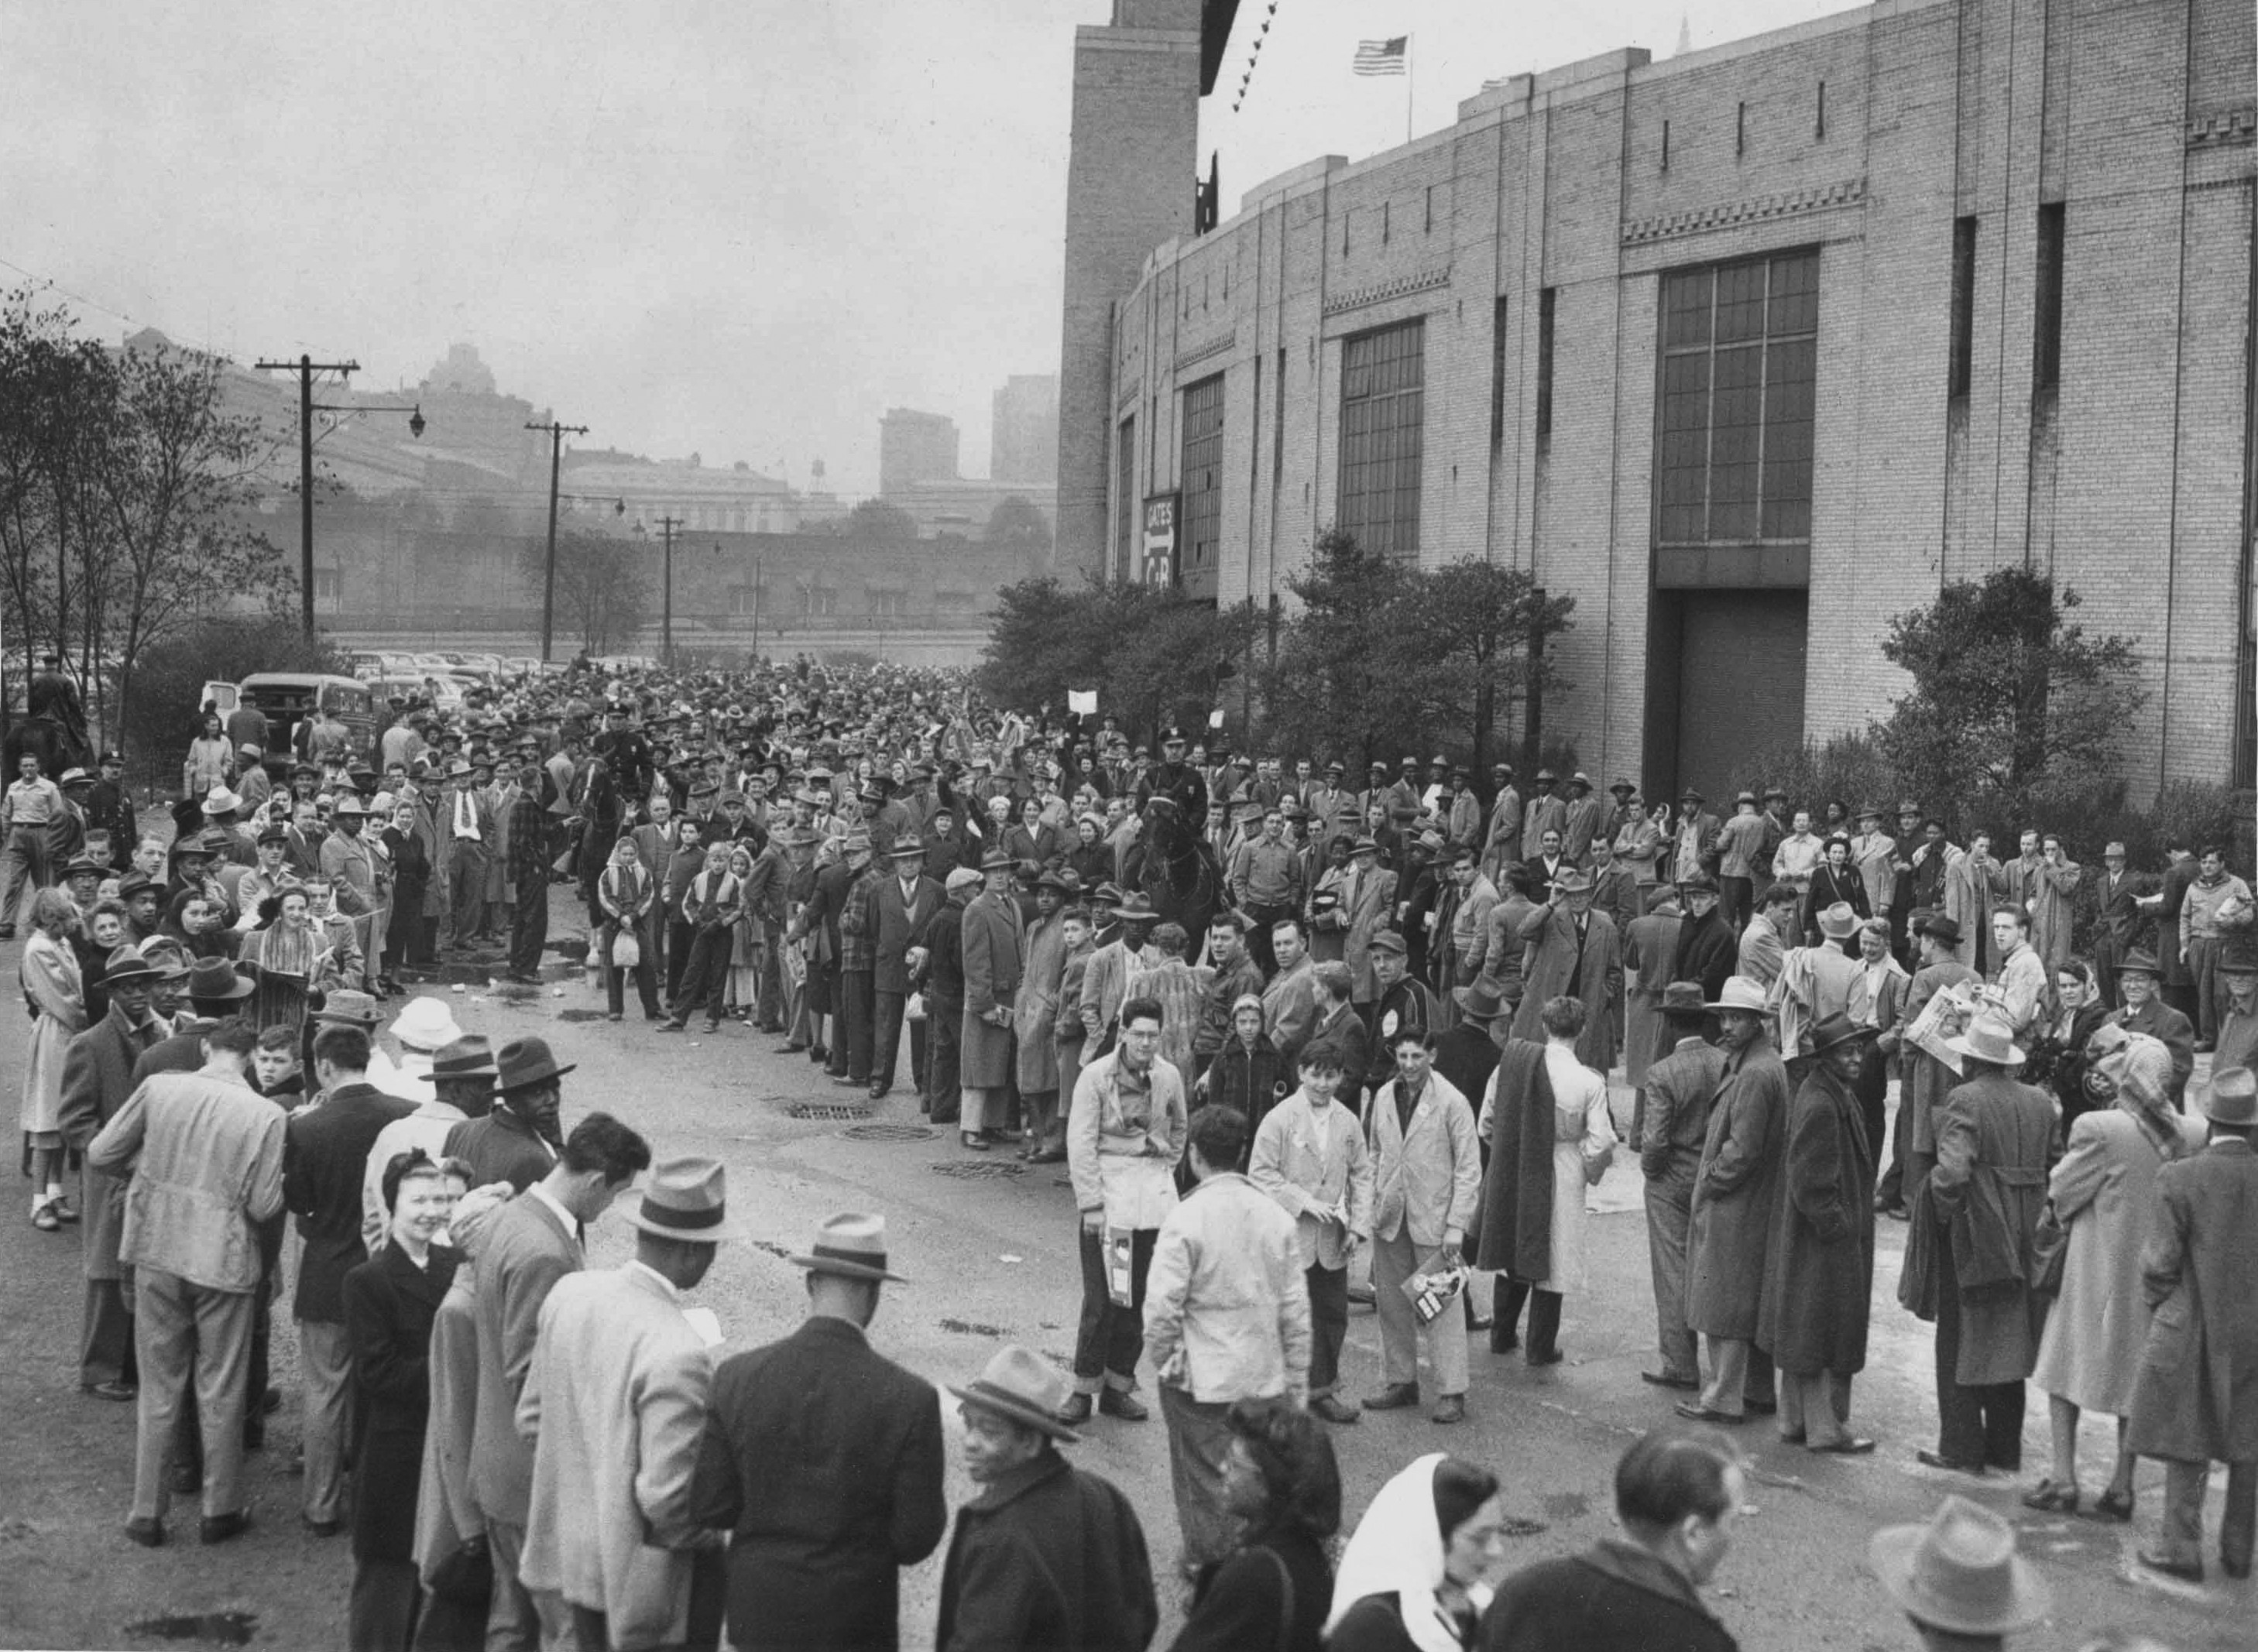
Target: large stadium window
x=1382 y=411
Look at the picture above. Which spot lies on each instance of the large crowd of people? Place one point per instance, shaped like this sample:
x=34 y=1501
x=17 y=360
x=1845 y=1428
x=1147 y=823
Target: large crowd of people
x=1302 y=1049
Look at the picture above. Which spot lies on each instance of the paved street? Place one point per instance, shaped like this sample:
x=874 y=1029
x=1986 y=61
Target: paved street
x=990 y=1256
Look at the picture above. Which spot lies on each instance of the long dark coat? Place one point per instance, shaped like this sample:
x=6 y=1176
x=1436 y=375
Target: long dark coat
x=390 y=1304
x=1993 y=1137
x=1729 y=1238
x=824 y=1461
x=1046 y=1557
x=97 y=1077
x=1513 y=1231
x=1554 y=966
x=2197 y=1396
x=325 y=1161
x=993 y=958
x=1819 y=1280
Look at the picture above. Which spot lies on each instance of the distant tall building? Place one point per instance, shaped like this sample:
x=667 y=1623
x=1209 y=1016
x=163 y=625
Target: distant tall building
x=1023 y=439
x=914 y=447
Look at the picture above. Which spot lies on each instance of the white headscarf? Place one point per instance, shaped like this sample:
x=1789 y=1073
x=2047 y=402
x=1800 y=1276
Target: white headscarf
x=1398 y=1549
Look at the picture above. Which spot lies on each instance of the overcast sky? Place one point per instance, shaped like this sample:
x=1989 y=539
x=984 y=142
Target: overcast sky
x=738 y=227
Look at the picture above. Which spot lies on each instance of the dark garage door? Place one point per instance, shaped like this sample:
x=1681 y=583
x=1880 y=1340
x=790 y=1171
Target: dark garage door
x=1738 y=681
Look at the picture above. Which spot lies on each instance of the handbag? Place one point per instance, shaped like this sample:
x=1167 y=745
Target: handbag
x=2050 y=1240
x=627 y=951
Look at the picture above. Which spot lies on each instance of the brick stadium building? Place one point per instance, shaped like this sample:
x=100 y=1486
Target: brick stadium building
x=1747 y=350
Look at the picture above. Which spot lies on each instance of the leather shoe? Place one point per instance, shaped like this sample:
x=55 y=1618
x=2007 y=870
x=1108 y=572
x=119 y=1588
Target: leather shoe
x=1048 y=1156
x=2237 y=1570
x=218 y=1529
x=788 y=1049
x=150 y=1534
x=321 y=1527
x=1396 y=1396
x=1451 y=1408
x=1116 y=1402
x=1693 y=1411
x=1333 y=1408
x=1664 y=1379
x=877 y=1092
x=1075 y=1411
x=1848 y=1445
x=2187 y=1571
x=121 y=1391
x=1929 y=1459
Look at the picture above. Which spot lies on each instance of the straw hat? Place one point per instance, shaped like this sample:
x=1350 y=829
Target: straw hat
x=425 y=1024
x=1839 y=922
x=1959 y=1571
x=1988 y=1038
x=1022 y=1387
x=1741 y=992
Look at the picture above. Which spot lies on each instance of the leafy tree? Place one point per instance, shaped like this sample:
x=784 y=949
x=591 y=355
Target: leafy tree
x=1154 y=657
x=602 y=590
x=876 y=522
x=2010 y=698
x=1353 y=670
x=1485 y=629
x=1020 y=524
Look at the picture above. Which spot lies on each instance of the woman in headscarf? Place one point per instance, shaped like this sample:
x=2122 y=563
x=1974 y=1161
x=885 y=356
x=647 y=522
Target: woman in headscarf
x=1422 y=1567
x=626 y=892
x=2058 y=1057
x=411 y=875
x=1091 y=857
x=1282 y=1483
x=744 y=940
x=293 y=961
x=52 y=986
x=211 y=761
x=2103 y=1192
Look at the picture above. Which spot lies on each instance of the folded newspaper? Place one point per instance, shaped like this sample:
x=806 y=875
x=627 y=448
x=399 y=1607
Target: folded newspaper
x=1945 y=1016
x=1431 y=1293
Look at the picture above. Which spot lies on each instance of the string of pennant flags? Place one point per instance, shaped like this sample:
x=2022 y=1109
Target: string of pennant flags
x=1253 y=52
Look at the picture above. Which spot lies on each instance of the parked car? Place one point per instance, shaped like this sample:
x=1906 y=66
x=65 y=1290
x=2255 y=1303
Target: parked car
x=289 y=697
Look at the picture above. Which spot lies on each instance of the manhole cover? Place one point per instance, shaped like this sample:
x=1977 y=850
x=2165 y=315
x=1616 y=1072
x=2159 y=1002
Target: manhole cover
x=887 y=1132
x=825 y=1110
x=977 y=1169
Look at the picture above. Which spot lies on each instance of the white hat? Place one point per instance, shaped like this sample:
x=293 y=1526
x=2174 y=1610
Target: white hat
x=425 y=1024
x=222 y=801
x=1742 y=992
x=1988 y=1038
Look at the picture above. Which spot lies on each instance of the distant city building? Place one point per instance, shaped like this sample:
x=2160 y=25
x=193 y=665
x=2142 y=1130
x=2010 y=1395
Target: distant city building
x=734 y=499
x=963 y=506
x=1023 y=435
x=914 y=447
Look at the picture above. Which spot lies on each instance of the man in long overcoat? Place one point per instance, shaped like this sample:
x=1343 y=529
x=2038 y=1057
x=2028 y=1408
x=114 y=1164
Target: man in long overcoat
x=1573 y=951
x=993 y=961
x=1923 y=1081
x=1669 y=1134
x=1729 y=1235
x=1993 y=1138
x=1819 y=1278
x=2196 y=1400
x=1035 y=1015
x=901 y=903
x=97 y=1079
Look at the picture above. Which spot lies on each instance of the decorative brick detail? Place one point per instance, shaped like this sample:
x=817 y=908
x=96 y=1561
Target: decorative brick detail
x=1395 y=286
x=2211 y=131
x=1850 y=192
x=1199 y=353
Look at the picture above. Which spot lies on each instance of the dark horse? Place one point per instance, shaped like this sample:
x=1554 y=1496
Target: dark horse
x=54 y=733
x=1177 y=870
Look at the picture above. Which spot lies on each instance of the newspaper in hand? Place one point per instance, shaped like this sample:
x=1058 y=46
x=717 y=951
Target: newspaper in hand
x=1430 y=1292
x=1945 y=1016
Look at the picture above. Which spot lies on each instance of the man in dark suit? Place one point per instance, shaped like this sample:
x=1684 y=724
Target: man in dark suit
x=900 y=904
x=530 y=1244
x=819 y=917
x=97 y=1078
x=2145 y=1010
x=326 y=1156
x=824 y=1461
x=2118 y=922
x=517 y=1140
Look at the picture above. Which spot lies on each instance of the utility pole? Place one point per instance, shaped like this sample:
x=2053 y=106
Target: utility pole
x=306 y=367
x=666 y=526
x=557 y=435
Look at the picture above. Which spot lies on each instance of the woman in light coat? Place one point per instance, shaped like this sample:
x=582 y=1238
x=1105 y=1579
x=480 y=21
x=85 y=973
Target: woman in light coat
x=2103 y=1192
x=53 y=988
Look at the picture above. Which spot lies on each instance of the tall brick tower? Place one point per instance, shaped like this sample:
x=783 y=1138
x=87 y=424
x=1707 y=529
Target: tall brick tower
x=1132 y=169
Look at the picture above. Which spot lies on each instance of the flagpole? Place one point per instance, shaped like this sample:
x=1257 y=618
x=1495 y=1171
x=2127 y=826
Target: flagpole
x=1406 y=88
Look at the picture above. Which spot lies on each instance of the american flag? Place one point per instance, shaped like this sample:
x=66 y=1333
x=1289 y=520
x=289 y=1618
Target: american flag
x=1381 y=57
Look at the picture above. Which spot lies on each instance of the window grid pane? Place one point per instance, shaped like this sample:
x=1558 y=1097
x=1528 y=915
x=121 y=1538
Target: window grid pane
x=1382 y=409
x=1202 y=474
x=1738 y=373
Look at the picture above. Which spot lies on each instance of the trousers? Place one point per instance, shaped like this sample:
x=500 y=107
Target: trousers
x=1544 y=1343
x=1394 y=1261
x=1328 y=1325
x=2184 y=1489
x=850 y=1048
x=1741 y=1377
x=944 y=1033
x=2204 y=954
x=528 y=925
x=1669 y=1219
x=887 y=1012
x=105 y=1349
x=512 y=1621
x=704 y=976
x=1110 y=1339
x=381 y=1612
x=22 y=858
x=325 y=1366
x=1815 y=1405
x=1977 y=1422
x=192 y=1341
x=1199 y=1441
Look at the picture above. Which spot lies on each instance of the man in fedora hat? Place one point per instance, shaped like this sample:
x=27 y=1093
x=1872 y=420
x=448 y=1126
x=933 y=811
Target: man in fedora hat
x=823 y=1460
x=98 y=1076
x=1668 y=1133
x=614 y=1402
x=2145 y=1010
x=1820 y=1275
x=1108 y=981
x=1728 y=1229
x=462 y=1079
x=994 y=957
x=1957 y=1577
x=2194 y=1401
x=1546 y=811
x=1706 y=950
x=1814 y=983
x=900 y=903
x=362 y=880
x=1994 y=1137
x=528 y=1246
x=1048 y=1555
x=1573 y=951
x=1036 y=1016
x=1923 y=1079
